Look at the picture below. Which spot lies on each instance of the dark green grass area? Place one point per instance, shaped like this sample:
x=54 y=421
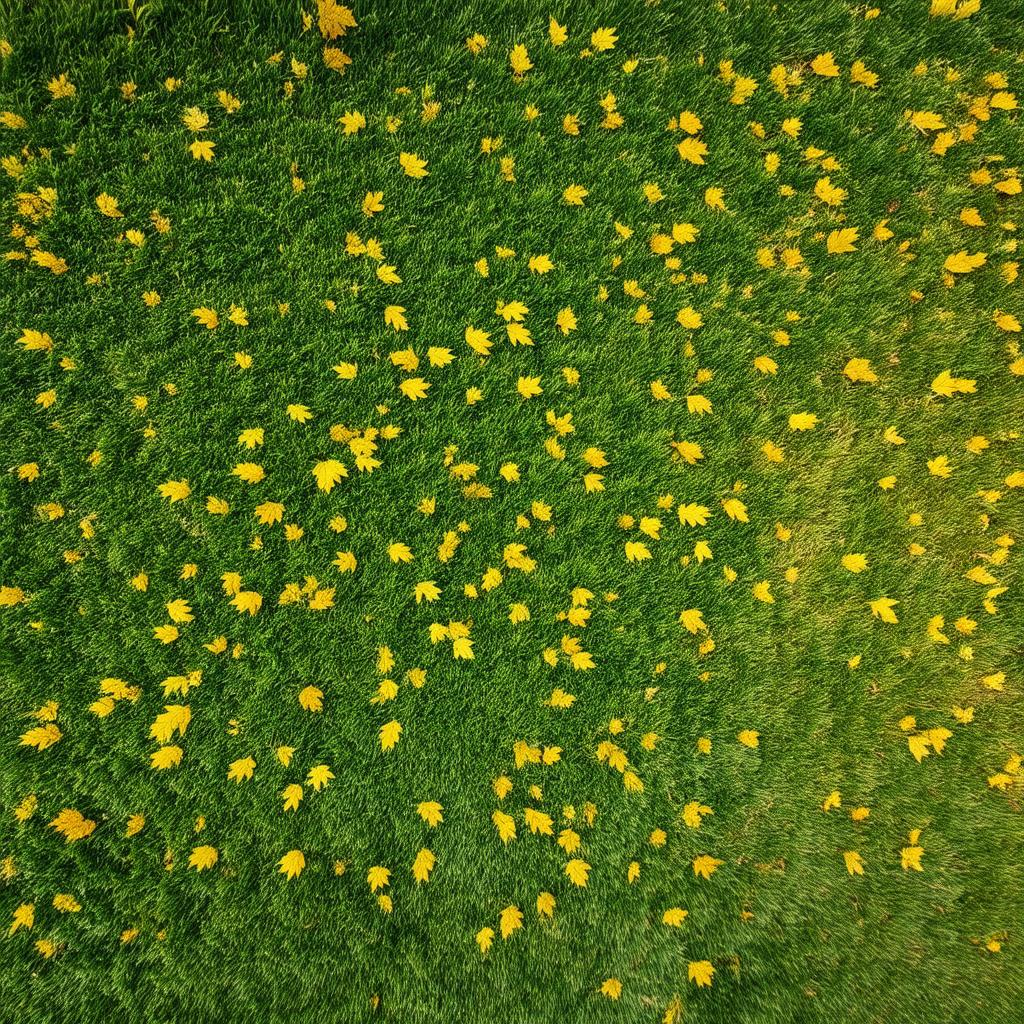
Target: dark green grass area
x=791 y=935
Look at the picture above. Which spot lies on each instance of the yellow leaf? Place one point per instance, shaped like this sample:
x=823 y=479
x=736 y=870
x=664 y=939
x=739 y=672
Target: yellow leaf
x=926 y=121
x=35 y=341
x=859 y=371
x=529 y=387
x=389 y=734
x=202 y=149
x=394 y=317
x=919 y=746
x=692 y=150
x=637 y=551
x=73 y=825
x=803 y=421
x=854 y=862
x=414 y=166
x=577 y=871
x=108 y=206
x=558 y=34
x=241 y=770
x=484 y=938
x=511 y=921
x=825 y=65
x=829 y=194
x=674 y=917
x=328 y=473
x=545 y=904
x=882 y=608
x=41 y=737
x=735 y=510
x=693 y=620
x=175 y=490
x=538 y=821
x=519 y=59
x=423 y=865
x=430 y=812
x=700 y=972
x=706 y=865
x=1006 y=322
x=506 y=826
x=166 y=757
x=319 y=776
x=841 y=240
x=203 y=858
x=427 y=590
x=574 y=195
x=247 y=601
x=298 y=413
x=910 y=858
x=963 y=263
x=292 y=864
x=540 y=264
x=250 y=472
x=174 y=717
x=414 y=388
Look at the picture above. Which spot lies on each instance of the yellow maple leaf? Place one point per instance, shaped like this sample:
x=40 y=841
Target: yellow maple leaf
x=166 y=757
x=700 y=972
x=203 y=858
x=674 y=917
x=511 y=920
x=705 y=866
x=963 y=262
x=692 y=150
x=174 y=717
x=394 y=317
x=327 y=473
x=574 y=195
x=882 y=608
x=506 y=826
x=577 y=872
x=841 y=240
x=430 y=812
x=859 y=371
x=390 y=733
x=519 y=59
x=175 y=490
x=854 y=862
x=484 y=938
x=414 y=388
x=292 y=864
x=413 y=165
x=202 y=149
x=825 y=65
x=247 y=601
x=41 y=737
x=423 y=865
x=241 y=770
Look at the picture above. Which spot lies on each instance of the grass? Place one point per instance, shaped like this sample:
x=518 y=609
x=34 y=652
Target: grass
x=791 y=933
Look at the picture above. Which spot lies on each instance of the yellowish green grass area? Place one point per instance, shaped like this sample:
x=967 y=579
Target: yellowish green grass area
x=511 y=513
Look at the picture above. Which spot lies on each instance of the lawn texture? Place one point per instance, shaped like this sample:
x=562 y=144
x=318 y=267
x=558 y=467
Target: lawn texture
x=511 y=512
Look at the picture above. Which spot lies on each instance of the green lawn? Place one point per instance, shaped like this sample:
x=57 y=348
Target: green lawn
x=642 y=484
